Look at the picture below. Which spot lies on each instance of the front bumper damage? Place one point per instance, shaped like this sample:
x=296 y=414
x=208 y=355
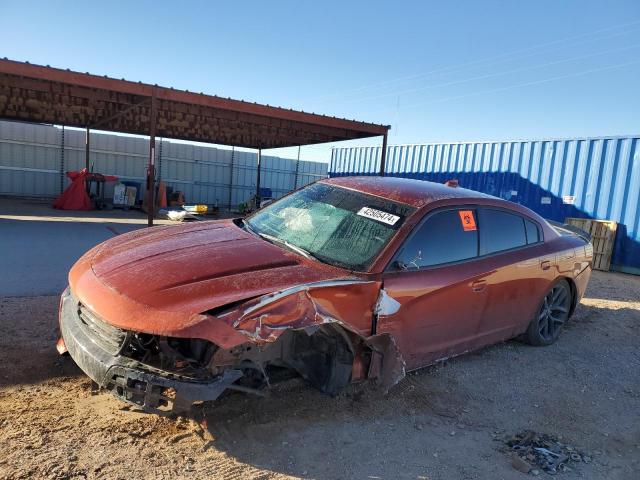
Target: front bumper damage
x=297 y=329
x=131 y=381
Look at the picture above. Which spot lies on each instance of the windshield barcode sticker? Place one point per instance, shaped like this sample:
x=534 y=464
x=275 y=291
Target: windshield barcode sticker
x=378 y=215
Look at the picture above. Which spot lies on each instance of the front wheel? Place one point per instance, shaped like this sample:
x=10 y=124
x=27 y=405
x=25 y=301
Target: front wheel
x=553 y=313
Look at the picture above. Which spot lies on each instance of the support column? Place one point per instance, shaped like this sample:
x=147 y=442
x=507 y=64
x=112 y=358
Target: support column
x=295 y=179
x=233 y=151
x=331 y=166
x=383 y=156
x=62 y=165
x=258 y=179
x=151 y=168
x=86 y=149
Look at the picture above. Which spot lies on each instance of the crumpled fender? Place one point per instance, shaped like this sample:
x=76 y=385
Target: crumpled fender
x=351 y=303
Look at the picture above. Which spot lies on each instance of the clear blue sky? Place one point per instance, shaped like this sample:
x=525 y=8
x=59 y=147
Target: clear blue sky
x=435 y=71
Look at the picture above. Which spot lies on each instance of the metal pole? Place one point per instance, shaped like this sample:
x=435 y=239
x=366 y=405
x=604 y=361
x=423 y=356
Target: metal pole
x=151 y=205
x=258 y=179
x=86 y=148
x=383 y=156
x=295 y=180
x=159 y=160
x=233 y=152
x=333 y=149
x=62 y=172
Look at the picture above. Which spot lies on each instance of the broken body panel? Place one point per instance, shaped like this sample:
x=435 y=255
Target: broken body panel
x=199 y=308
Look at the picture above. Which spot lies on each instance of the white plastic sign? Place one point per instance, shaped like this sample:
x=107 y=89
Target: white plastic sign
x=568 y=199
x=378 y=215
x=545 y=200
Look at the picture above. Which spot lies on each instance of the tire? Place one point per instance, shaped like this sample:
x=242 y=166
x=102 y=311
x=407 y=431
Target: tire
x=551 y=316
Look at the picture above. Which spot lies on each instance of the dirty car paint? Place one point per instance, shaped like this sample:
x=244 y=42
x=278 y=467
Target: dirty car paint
x=217 y=282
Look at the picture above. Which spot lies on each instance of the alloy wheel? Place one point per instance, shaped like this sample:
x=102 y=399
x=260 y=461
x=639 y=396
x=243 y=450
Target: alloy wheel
x=553 y=313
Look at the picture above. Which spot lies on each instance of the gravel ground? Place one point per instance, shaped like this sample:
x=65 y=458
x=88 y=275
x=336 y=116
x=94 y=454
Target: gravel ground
x=444 y=422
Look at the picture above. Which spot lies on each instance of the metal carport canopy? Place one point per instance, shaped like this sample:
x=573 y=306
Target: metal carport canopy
x=42 y=94
x=35 y=93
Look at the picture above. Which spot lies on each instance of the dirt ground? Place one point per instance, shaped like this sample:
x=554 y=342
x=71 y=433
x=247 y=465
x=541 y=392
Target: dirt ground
x=443 y=422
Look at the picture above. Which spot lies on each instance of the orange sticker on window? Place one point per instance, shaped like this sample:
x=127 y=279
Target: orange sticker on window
x=467 y=220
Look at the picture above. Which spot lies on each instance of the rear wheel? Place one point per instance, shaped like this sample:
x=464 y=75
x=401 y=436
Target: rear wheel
x=553 y=313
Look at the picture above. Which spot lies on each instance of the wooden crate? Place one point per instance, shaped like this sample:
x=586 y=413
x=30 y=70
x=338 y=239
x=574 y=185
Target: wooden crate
x=603 y=235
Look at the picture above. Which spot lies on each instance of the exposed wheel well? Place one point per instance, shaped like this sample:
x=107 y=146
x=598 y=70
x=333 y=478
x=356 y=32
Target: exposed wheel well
x=324 y=358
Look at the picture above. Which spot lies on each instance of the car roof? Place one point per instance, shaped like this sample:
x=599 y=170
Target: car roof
x=416 y=193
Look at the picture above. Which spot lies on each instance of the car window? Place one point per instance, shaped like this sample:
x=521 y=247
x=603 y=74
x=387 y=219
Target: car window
x=500 y=231
x=533 y=234
x=447 y=236
x=335 y=225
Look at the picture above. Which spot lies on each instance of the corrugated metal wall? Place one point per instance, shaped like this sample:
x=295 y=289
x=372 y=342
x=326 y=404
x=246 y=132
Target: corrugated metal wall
x=33 y=159
x=586 y=177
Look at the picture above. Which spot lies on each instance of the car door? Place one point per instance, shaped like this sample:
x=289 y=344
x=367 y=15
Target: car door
x=522 y=271
x=440 y=286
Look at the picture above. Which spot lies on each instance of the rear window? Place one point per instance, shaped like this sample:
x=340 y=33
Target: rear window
x=500 y=231
x=442 y=238
x=533 y=234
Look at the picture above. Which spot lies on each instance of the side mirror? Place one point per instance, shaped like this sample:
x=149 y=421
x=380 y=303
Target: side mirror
x=399 y=265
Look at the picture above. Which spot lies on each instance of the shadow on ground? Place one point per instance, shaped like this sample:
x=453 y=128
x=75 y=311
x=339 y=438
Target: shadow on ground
x=27 y=344
x=446 y=421
x=451 y=417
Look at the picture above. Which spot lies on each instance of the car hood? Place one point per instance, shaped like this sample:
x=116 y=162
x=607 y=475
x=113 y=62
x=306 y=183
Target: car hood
x=187 y=269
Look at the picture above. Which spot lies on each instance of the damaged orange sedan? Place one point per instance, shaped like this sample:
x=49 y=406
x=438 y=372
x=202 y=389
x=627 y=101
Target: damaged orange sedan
x=344 y=280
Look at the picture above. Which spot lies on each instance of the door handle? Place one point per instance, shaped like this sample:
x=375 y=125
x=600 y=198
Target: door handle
x=545 y=265
x=478 y=285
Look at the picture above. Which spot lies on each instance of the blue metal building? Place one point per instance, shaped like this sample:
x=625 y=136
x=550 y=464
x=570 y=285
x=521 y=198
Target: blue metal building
x=580 y=177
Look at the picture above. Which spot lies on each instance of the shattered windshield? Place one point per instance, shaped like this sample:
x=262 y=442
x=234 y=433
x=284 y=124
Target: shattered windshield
x=335 y=225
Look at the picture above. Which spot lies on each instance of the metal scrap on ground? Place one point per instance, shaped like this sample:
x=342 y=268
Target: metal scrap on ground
x=531 y=450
